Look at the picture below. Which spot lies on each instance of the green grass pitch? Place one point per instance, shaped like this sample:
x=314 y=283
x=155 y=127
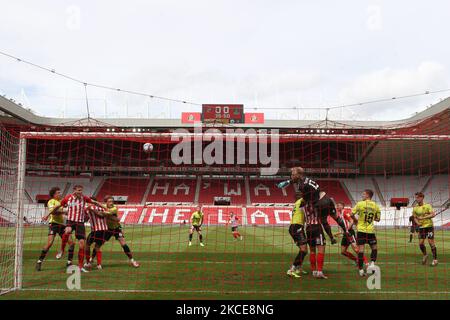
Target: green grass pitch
x=254 y=268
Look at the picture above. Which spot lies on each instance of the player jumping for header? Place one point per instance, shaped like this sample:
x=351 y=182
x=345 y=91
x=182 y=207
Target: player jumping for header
x=115 y=229
x=98 y=234
x=75 y=204
x=319 y=200
x=196 y=224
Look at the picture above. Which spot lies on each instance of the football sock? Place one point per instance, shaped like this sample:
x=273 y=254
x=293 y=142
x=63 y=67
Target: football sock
x=423 y=249
x=71 y=250
x=299 y=258
x=360 y=260
x=312 y=260
x=320 y=259
x=99 y=257
x=94 y=253
x=43 y=254
x=127 y=251
x=80 y=258
x=410 y=237
x=88 y=254
x=201 y=238
x=64 y=239
x=433 y=249
x=190 y=237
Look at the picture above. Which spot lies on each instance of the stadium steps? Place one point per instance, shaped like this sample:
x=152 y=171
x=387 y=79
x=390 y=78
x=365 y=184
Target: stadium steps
x=197 y=189
x=27 y=195
x=247 y=190
x=378 y=191
x=349 y=194
x=425 y=187
x=147 y=190
x=66 y=189
x=97 y=190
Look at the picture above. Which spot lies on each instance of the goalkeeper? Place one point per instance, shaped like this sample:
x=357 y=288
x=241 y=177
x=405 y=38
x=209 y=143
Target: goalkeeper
x=320 y=201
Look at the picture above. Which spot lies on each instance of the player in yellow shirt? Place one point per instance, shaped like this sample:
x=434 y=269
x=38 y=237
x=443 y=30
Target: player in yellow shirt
x=56 y=227
x=367 y=212
x=115 y=229
x=423 y=214
x=297 y=232
x=196 y=224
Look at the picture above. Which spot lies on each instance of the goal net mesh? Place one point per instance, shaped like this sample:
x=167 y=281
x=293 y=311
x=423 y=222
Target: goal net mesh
x=156 y=197
x=8 y=211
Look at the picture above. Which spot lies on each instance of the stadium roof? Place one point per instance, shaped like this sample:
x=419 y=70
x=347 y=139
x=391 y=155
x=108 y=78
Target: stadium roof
x=21 y=115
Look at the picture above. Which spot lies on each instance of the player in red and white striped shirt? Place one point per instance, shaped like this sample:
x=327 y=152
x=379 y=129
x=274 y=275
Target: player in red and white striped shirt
x=234 y=222
x=75 y=203
x=350 y=239
x=98 y=233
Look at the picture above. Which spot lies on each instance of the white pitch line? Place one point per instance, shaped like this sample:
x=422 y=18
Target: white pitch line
x=236 y=291
x=258 y=262
x=269 y=262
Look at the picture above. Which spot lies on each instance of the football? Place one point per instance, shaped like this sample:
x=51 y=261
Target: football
x=148 y=147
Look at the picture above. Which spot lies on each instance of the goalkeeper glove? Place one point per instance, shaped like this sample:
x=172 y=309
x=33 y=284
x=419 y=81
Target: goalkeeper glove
x=283 y=184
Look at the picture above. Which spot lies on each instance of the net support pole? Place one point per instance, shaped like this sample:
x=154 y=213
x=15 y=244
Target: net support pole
x=18 y=259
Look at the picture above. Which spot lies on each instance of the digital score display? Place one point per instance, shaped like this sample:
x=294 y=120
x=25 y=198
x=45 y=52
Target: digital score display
x=223 y=113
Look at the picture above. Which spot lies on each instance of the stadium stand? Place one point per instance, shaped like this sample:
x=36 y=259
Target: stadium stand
x=357 y=186
x=133 y=188
x=186 y=189
x=437 y=191
x=265 y=191
x=172 y=189
x=222 y=187
x=37 y=187
x=400 y=187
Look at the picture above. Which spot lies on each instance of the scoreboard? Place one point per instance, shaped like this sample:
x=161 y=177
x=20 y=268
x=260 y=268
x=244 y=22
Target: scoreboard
x=223 y=113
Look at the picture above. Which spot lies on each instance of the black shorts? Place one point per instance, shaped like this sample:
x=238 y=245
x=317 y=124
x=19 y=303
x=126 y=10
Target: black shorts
x=79 y=228
x=56 y=228
x=346 y=241
x=426 y=233
x=326 y=208
x=196 y=228
x=414 y=229
x=297 y=232
x=233 y=229
x=117 y=233
x=314 y=235
x=99 y=237
x=363 y=238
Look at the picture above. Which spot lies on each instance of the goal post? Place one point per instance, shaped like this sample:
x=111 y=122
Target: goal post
x=18 y=259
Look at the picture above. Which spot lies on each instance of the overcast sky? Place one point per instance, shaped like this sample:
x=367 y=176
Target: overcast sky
x=259 y=53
